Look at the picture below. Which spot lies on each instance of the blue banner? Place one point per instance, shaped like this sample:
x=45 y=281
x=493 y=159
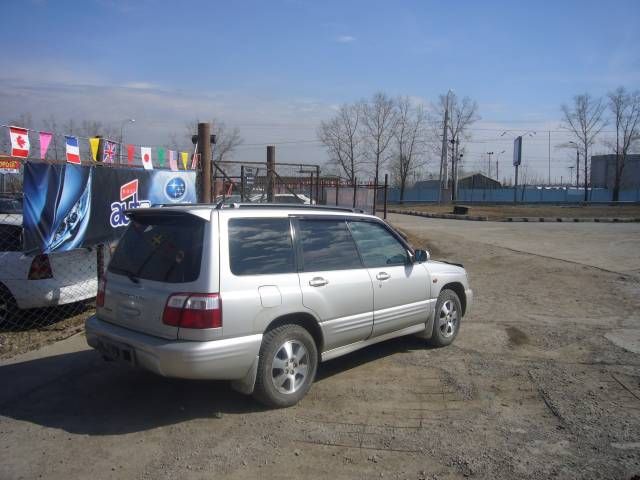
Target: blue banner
x=71 y=206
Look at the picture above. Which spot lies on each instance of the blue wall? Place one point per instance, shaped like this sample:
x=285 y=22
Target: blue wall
x=524 y=195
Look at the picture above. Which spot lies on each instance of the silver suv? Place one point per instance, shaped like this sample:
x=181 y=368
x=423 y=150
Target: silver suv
x=260 y=294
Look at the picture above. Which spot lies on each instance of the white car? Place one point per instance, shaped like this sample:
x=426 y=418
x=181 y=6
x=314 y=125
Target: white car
x=41 y=280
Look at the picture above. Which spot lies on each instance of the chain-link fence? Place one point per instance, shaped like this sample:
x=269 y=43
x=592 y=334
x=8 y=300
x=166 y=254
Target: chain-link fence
x=43 y=297
x=287 y=183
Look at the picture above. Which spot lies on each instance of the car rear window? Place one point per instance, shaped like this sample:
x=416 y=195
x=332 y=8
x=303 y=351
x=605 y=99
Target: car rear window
x=259 y=246
x=164 y=248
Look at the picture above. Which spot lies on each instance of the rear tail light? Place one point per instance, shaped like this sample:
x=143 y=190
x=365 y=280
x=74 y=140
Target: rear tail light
x=102 y=288
x=193 y=310
x=40 y=268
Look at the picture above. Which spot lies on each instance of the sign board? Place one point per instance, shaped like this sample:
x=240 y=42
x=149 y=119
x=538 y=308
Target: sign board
x=517 y=151
x=249 y=177
x=9 y=166
x=90 y=209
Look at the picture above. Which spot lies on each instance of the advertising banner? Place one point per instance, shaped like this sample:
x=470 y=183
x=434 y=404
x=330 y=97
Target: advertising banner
x=71 y=206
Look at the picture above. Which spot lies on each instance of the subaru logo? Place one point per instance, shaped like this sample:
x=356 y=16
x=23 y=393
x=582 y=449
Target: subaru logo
x=175 y=189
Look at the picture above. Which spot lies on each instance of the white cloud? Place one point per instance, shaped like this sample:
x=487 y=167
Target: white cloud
x=345 y=39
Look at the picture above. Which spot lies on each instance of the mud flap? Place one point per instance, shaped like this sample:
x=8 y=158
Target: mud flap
x=247 y=383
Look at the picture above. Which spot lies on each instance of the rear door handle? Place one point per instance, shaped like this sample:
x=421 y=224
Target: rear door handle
x=318 y=282
x=383 y=276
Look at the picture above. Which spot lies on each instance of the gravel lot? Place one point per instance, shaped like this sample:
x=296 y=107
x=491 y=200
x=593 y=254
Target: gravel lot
x=531 y=388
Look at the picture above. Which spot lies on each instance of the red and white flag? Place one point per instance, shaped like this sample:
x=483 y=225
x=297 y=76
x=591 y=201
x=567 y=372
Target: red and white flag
x=19 y=142
x=147 y=162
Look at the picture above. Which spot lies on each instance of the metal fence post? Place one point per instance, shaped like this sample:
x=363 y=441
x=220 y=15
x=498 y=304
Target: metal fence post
x=386 y=188
x=355 y=190
x=337 y=189
x=242 y=183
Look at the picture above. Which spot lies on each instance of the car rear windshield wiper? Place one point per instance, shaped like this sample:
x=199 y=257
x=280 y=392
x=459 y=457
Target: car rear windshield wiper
x=130 y=275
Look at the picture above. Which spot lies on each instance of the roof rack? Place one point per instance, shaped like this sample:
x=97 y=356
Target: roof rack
x=220 y=205
x=290 y=206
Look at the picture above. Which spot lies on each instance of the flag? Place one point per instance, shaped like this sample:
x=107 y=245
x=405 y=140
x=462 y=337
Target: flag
x=161 y=156
x=130 y=154
x=172 y=160
x=194 y=161
x=109 y=152
x=94 y=142
x=73 y=151
x=45 y=140
x=19 y=142
x=147 y=161
x=185 y=159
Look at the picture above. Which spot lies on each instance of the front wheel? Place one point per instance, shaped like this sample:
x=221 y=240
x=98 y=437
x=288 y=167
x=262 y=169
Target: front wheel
x=448 y=315
x=287 y=366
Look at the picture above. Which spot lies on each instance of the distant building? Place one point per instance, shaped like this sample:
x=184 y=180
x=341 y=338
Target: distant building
x=478 y=181
x=603 y=171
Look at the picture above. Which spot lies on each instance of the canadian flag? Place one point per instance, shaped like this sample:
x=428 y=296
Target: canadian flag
x=147 y=162
x=19 y=142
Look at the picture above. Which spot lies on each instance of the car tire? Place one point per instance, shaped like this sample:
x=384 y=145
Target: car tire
x=8 y=309
x=446 y=322
x=287 y=366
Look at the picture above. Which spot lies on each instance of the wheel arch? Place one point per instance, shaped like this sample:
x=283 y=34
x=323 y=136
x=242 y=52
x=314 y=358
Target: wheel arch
x=304 y=320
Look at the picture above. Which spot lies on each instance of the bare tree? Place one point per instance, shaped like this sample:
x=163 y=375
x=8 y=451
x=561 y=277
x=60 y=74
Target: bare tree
x=409 y=141
x=584 y=120
x=462 y=114
x=24 y=120
x=342 y=138
x=625 y=108
x=379 y=121
x=227 y=139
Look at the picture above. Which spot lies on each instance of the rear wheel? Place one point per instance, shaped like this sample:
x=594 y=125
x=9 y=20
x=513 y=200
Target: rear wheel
x=287 y=366
x=8 y=308
x=446 y=323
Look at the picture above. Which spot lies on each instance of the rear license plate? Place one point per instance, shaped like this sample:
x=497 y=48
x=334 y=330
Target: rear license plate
x=117 y=351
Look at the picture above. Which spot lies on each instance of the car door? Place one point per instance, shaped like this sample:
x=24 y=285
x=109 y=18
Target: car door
x=400 y=287
x=334 y=283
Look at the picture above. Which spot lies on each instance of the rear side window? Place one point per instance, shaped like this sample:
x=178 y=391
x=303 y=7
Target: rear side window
x=327 y=245
x=377 y=246
x=164 y=248
x=259 y=246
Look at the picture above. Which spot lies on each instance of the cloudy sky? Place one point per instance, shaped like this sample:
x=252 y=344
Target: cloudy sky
x=276 y=69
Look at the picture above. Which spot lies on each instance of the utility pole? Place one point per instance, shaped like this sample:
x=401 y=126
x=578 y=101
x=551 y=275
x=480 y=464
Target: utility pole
x=204 y=166
x=549 y=181
x=443 y=157
x=489 y=154
x=577 y=168
x=571 y=174
x=271 y=167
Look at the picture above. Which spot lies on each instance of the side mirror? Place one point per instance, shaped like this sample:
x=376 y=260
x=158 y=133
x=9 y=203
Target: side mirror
x=422 y=256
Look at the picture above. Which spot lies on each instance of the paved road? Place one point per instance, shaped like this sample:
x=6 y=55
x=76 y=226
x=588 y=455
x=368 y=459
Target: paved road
x=611 y=246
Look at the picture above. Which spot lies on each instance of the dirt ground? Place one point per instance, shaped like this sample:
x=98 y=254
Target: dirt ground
x=500 y=212
x=530 y=389
x=34 y=329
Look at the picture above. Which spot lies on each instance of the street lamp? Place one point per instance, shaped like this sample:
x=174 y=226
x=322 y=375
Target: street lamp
x=122 y=125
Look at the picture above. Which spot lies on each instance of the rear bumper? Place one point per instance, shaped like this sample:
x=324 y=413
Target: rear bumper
x=228 y=359
x=49 y=292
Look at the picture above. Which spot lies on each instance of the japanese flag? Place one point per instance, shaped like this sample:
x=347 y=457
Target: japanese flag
x=19 y=142
x=147 y=162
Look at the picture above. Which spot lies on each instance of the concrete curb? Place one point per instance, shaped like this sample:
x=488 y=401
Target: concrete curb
x=563 y=219
x=449 y=216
